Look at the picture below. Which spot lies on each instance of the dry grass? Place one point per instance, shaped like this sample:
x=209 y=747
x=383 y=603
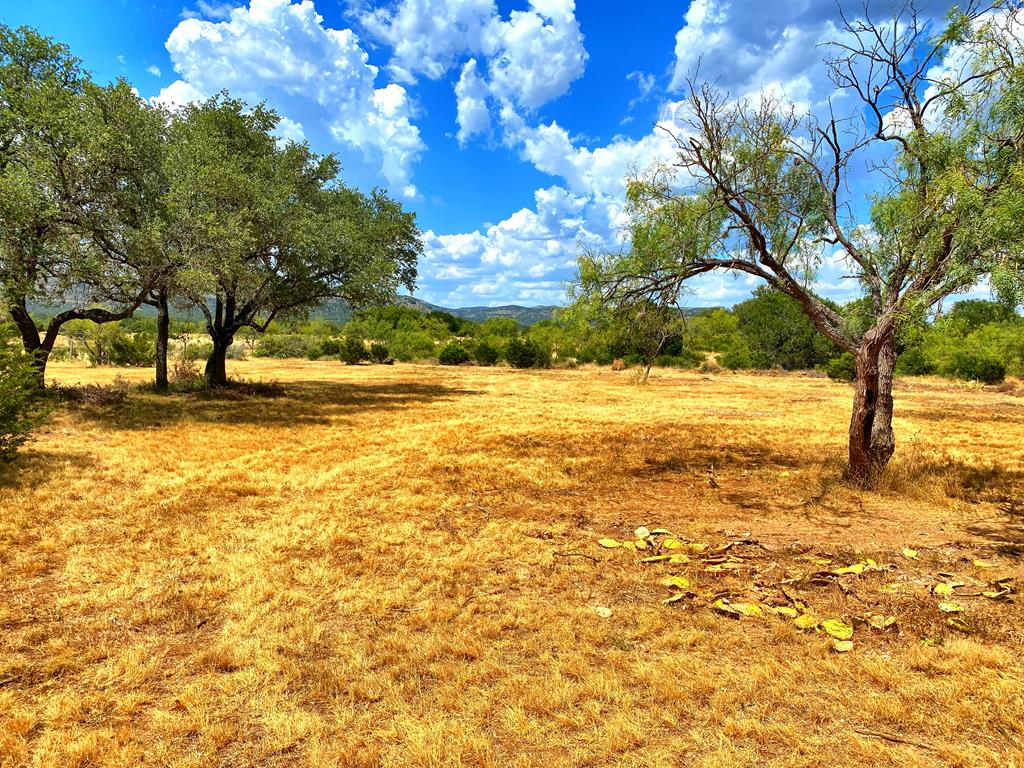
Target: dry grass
x=379 y=568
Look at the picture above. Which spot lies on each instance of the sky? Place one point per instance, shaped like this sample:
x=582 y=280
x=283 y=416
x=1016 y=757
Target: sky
x=509 y=126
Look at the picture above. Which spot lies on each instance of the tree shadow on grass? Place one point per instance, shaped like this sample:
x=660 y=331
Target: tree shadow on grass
x=293 y=404
x=32 y=467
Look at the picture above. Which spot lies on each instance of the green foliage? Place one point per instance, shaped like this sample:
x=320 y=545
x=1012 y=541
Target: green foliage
x=453 y=354
x=353 y=351
x=485 y=354
x=522 y=353
x=778 y=333
x=21 y=405
x=974 y=367
x=842 y=368
x=281 y=345
x=379 y=352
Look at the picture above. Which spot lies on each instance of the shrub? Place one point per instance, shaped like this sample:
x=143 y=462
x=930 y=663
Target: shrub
x=842 y=368
x=185 y=375
x=330 y=348
x=282 y=345
x=687 y=358
x=987 y=370
x=114 y=393
x=485 y=354
x=199 y=351
x=21 y=404
x=914 y=362
x=132 y=349
x=521 y=353
x=379 y=353
x=453 y=354
x=353 y=351
x=736 y=358
x=413 y=345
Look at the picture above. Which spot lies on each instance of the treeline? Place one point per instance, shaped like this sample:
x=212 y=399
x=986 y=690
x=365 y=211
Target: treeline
x=975 y=340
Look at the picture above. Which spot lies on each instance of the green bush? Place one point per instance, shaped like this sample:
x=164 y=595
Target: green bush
x=199 y=351
x=485 y=354
x=413 y=345
x=687 y=358
x=842 y=368
x=453 y=354
x=282 y=345
x=987 y=370
x=379 y=352
x=736 y=358
x=353 y=351
x=521 y=353
x=330 y=348
x=21 y=401
x=914 y=362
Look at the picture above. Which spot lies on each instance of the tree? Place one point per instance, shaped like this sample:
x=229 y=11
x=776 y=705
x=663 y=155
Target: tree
x=21 y=407
x=758 y=190
x=265 y=230
x=779 y=333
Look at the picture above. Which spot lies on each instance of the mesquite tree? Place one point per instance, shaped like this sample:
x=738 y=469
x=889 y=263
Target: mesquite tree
x=757 y=189
x=80 y=185
x=264 y=230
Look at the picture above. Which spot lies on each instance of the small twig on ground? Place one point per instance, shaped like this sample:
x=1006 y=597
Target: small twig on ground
x=892 y=738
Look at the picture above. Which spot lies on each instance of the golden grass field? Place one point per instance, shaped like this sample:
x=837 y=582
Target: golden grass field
x=398 y=566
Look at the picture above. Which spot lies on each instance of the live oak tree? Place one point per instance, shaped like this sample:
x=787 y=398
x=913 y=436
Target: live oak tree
x=264 y=230
x=757 y=189
x=80 y=183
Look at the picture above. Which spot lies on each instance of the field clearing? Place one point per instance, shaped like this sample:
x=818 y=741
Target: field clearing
x=398 y=566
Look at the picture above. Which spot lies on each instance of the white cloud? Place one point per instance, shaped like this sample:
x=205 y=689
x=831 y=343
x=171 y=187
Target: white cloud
x=281 y=52
x=153 y=70
x=509 y=66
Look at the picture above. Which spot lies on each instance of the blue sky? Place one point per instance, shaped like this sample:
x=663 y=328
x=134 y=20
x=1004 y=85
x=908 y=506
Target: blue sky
x=507 y=126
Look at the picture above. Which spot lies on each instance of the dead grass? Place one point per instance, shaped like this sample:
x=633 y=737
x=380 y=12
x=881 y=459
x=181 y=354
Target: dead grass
x=381 y=567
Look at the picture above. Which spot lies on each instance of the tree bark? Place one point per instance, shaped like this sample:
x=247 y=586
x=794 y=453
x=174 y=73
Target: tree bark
x=216 y=365
x=31 y=340
x=871 y=437
x=163 y=335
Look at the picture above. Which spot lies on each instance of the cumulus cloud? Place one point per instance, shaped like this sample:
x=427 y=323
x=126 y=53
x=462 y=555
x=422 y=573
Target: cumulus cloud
x=508 y=66
x=281 y=52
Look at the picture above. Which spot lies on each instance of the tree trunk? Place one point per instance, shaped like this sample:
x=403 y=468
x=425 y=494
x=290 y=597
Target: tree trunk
x=163 y=334
x=216 y=366
x=871 y=437
x=31 y=341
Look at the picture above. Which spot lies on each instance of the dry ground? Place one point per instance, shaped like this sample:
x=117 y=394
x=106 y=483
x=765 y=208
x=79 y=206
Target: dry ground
x=399 y=567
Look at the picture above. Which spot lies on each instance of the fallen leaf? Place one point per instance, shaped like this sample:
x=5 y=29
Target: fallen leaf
x=839 y=629
x=718 y=567
x=983 y=564
x=656 y=558
x=786 y=610
x=957 y=622
x=842 y=646
x=951 y=607
x=680 y=558
x=641 y=532
x=641 y=544
x=659 y=532
x=910 y=554
x=881 y=622
x=602 y=611
x=630 y=545
x=672 y=543
x=805 y=621
x=609 y=543
x=674 y=599
x=996 y=594
x=856 y=568
x=676 y=581
x=738 y=609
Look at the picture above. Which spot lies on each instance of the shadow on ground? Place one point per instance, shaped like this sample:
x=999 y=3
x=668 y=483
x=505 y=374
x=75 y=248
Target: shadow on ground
x=297 y=404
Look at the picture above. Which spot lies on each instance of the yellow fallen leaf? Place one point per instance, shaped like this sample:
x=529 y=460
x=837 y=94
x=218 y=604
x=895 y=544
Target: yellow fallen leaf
x=672 y=543
x=983 y=564
x=951 y=607
x=641 y=544
x=718 y=567
x=630 y=545
x=676 y=581
x=995 y=595
x=839 y=629
x=641 y=532
x=881 y=622
x=674 y=599
x=856 y=568
x=656 y=558
x=786 y=610
x=609 y=543
x=659 y=532
x=956 y=622
x=602 y=611
x=870 y=563
x=910 y=554
x=805 y=621
x=842 y=646
x=679 y=558
x=821 y=561
x=738 y=609
x=943 y=589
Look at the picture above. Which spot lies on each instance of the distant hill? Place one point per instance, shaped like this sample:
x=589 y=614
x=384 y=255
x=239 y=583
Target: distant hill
x=522 y=315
